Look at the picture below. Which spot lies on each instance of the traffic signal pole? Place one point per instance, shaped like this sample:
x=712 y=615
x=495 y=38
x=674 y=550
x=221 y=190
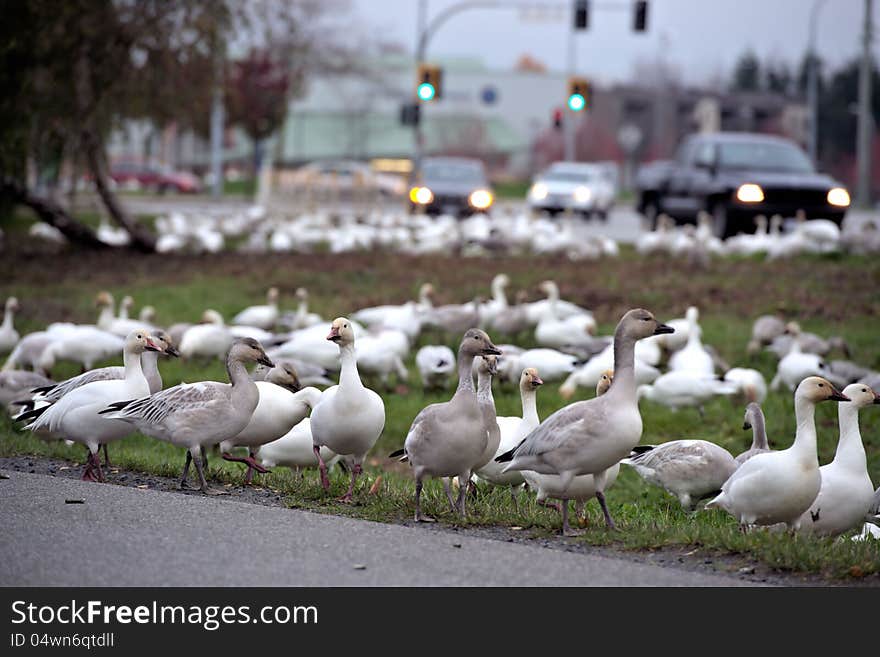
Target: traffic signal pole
x=568 y=126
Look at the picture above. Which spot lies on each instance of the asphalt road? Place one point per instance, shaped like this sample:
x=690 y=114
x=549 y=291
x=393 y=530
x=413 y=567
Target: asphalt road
x=121 y=536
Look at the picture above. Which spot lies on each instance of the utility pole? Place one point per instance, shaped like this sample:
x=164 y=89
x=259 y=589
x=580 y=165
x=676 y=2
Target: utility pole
x=813 y=84
x=568 y=126
x=865 y=128
x=418 y=135
x=217 y=119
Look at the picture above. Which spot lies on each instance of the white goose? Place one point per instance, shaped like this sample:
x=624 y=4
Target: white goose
x=8 y=335
x=513 y=429
x=486 y=369
x=689 y=469
x=751 y=383
x=681 y=388
x=498 y=303
x=847 y=493
x=303 y=318
x=81 y=344
x=208 y=339
x=693 y=357
x=796 y=365
x=778 y=487
x=198 y=415
x=264 y=316
x=582 y=488
x=435 y=363
x=445 y=439
x=76 y=416
x=553 y=330
x=262 y=336
x=278 y=411
x=590 y=373
x=349 y=417
x=295 y=450
x=554 y=364
x=589 y=437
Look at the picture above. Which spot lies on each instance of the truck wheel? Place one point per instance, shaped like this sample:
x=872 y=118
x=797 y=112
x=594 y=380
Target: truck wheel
x=720 y=221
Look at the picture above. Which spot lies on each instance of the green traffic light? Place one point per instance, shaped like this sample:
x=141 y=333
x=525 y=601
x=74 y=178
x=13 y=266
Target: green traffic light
x=426 y=91
x=576 y=102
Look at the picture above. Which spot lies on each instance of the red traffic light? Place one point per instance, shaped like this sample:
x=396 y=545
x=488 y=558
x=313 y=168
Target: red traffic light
x=558 y=113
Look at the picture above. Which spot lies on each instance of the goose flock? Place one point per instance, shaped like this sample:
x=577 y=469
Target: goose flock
x=274 y=409
x=508 y=230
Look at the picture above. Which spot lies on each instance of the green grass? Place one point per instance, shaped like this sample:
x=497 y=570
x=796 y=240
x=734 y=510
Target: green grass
x=648 y=518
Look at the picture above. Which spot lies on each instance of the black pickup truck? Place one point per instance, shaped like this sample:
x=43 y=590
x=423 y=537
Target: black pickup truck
x=734 y=177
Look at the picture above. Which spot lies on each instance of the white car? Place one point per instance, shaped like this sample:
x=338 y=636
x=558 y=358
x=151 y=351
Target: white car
x=580 y=186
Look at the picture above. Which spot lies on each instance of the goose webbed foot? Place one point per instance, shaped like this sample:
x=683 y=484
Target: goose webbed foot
x=93 y=469
x=418 y=515
x=355 y=472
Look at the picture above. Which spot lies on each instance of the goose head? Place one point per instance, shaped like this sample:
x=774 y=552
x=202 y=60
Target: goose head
x=861 y=395
x=426 y=291
x=816 y=389
x=127 y=302
x=521 y=297
x=793 y=329
x=272 y=296
x=692 y=314
x=212 y=317
x=103 y=299
x=147 y=314
x=487 y=365
x=500 y=281
x=284 y=375
x=341 y=331
x=753 y=410
x=549 y=288
x=12 y=305
x=248 y=350
x=164 y=342
x=639 y=323
x=139 y=341
x=529 y=380
x=604 y=382
x=761 y=223
x=302 y=294
x=477 y=343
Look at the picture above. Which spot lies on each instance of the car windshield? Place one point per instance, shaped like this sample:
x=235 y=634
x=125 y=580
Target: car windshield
x=464 y=172
x=569 y=176
x=766 y=156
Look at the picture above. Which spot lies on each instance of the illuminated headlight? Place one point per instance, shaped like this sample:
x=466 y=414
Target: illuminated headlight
x=481 y=199
x=582 y=194
x=421 y=195
x=838 y=196
x=750 y=193
x=539 y=191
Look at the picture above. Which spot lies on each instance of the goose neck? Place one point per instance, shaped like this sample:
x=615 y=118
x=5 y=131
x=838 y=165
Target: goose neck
x=530 y=406
x=484 y=390
x=624 y=367
x=7 y=319
x=465 y=374
x=105 y=318
x=498 y=293
x=132 y=362
x=348 y=372
x=850 y=450
x=238 y=374
x=805 y=436
x=759 y=432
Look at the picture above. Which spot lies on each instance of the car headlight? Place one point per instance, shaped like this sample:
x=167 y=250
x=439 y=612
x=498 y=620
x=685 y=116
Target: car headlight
x=539 y=191
x=582 y=194
x=480 y=199
x=421 y=195
x=838 y=196
x=750 y=193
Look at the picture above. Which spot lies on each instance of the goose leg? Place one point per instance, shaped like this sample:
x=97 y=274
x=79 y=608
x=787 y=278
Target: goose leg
x=203 y=483
x=608 y=521
x=419 y=517
x=322 y=467
x=107 y=463
x=189 y=459
x=580 y=511
x=89 y=473
x=551 y=505
x=248 y=460
x=355 y=472
x=514 y=498
x=448 y=488
x=462 y=492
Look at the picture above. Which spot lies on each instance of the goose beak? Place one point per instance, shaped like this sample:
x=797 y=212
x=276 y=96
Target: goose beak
x=151 y=346
x=876 y=398
x=836 y=395
x=334 y=334
x=747 y=426
x=537 y=381
x=491 y=350
x=172 y=351
x=663 y=328
x=264 y=360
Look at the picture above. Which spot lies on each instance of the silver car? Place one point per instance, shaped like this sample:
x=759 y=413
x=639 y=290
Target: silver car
x=582 y=187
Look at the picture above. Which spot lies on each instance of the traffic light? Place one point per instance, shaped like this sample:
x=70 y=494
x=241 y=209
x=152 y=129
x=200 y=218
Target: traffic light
x=557 y=118
x=578 y=94
x=409 y=114
x=640 y=15
x=429 y=83
x=581 y=14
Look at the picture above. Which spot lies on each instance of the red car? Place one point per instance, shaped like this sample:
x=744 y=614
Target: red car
x=154 y=176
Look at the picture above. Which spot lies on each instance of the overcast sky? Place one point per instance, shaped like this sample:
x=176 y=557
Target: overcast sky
x=702 y=38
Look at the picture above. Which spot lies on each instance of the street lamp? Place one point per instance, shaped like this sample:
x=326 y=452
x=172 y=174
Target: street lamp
x=813 y=83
